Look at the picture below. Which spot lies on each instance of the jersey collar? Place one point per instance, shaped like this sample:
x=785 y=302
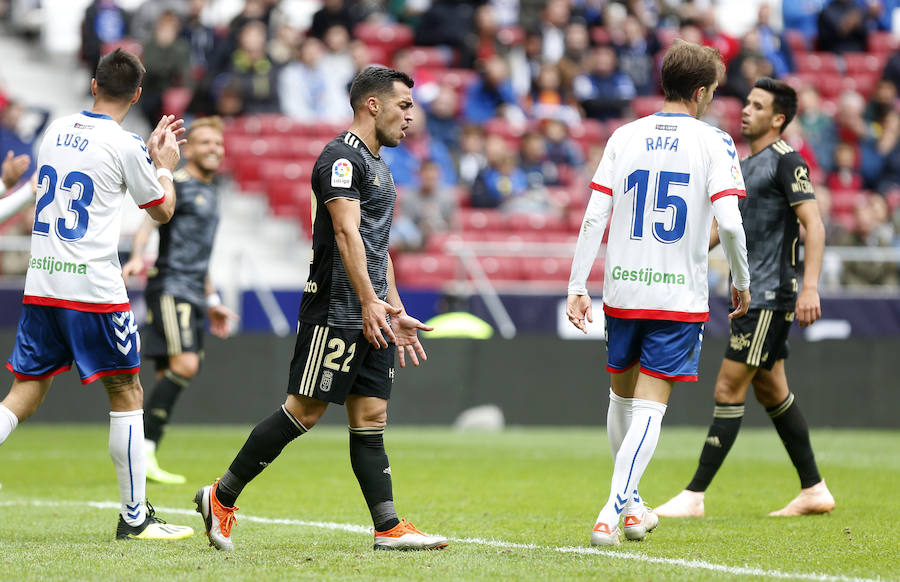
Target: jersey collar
x=661 y=114
x=96 y=115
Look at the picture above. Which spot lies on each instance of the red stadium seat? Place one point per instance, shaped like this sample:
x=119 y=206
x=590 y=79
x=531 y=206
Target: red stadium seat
x=882 y=42
x=864 y=63
x=501 y=268
x=546 y=268
x=817 y=62
x=424 y=270
x=796 y=41
x=537 y=222
x=480 y=219
x=390 y=36
x=126 y=44
x=433 y=57
x=645 y=105
x=175 y=100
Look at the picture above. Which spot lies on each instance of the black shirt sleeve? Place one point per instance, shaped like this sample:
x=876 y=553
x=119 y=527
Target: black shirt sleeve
x=339 y=172
x=793 y=178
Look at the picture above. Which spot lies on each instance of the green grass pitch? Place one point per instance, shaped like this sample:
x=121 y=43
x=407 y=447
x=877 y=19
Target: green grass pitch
x=518 y=505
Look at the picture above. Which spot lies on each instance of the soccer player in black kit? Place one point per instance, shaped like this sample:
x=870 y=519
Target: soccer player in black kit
x=779 y=198
x=179 y=291
x=351 y=319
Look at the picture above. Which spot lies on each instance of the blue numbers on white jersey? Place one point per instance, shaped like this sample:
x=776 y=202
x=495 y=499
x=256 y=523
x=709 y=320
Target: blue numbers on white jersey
x=639 y=180
x=78 y=203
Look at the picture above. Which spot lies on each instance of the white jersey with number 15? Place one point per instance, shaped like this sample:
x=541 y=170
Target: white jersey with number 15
x=663 y=172
x=86 y=163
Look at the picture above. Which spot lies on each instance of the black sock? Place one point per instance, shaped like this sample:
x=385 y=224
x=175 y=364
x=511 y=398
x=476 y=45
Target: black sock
x=372 y=470
x=160 y=404
x=794 y=433
x=722 y=433
x=265 y=442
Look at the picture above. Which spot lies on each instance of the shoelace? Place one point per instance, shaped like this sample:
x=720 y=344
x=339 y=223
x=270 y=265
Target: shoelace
x=409 y=527
x=151 y=514
x=228 y=519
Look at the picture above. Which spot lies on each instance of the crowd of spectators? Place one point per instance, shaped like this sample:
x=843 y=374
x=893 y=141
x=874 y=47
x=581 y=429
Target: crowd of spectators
x=528 y=77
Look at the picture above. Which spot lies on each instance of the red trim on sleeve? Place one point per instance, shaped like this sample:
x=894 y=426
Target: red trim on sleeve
x=21 y=376
x=684 y=316
x=599 y=188
x=156 y=202
x=77 y=305
x=729 y=192
x=668 y=376
x=93 y=377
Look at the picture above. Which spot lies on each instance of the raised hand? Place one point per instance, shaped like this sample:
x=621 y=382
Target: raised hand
x=406 y=332
x=220 y=320
x=13 y=167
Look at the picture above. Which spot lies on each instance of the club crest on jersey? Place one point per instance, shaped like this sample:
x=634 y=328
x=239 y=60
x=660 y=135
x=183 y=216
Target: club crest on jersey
x=341 y=173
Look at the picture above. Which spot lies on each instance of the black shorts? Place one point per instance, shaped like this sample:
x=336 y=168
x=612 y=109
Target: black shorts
x=173 y=326
x=331 y=363
x=759 y=339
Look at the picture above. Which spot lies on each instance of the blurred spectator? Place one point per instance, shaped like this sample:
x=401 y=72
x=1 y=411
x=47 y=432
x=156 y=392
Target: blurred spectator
x=842 y=27
x=104 y=22
x=167 y=60
x=892 y=70
x=283 y=45
x=502 y=182
x=604 y=91
x=845 y=175
x=506 y=12
x=539 y=169
x=882 y=102
x=442 y=116
x=492 y=95
x=871 y=230
x=555 y=17
x=714 y=36
x=834 y=234
x=562 y=150
x=425 y=210
x=577 y=42
x=746 y=68
x=769 y=43
x=405 y=159
x=306 y=88
x=525 y=62
x=448 y=23
x=548 y=98
x=20 y=128
x=888 y=149
x=635 y=48
x=252 y=72
x=484 y=41
x=201 y=39
x=470 y=159
x=802 y=16
x=337 y=59
x=333 y=13
x=142 y=21
x=818 y=126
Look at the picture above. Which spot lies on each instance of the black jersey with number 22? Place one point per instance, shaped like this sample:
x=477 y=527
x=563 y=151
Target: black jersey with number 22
x=347 y=169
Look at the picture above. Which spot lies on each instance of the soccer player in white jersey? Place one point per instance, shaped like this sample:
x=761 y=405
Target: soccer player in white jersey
x=663 y=178
x=75 y=305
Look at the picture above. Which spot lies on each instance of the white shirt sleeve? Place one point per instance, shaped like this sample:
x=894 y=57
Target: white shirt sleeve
x=19 y=199
x=734 y=241
x=140 y=173
x=725 y=177
x=590 y=237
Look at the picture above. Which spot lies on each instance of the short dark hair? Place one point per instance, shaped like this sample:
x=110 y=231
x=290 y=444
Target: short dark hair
x=119 y=74
x=687 y=67
x=784 y=98
x=375 y=81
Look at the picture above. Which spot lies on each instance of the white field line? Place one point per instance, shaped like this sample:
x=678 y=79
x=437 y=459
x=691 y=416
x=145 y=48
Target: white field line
x=348 y=527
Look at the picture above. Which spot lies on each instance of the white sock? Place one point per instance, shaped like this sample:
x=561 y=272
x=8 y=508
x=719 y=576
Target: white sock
x=149 y=445
x=126 y=447
x=633 y=457
x=8 y=423
x=618 y=419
